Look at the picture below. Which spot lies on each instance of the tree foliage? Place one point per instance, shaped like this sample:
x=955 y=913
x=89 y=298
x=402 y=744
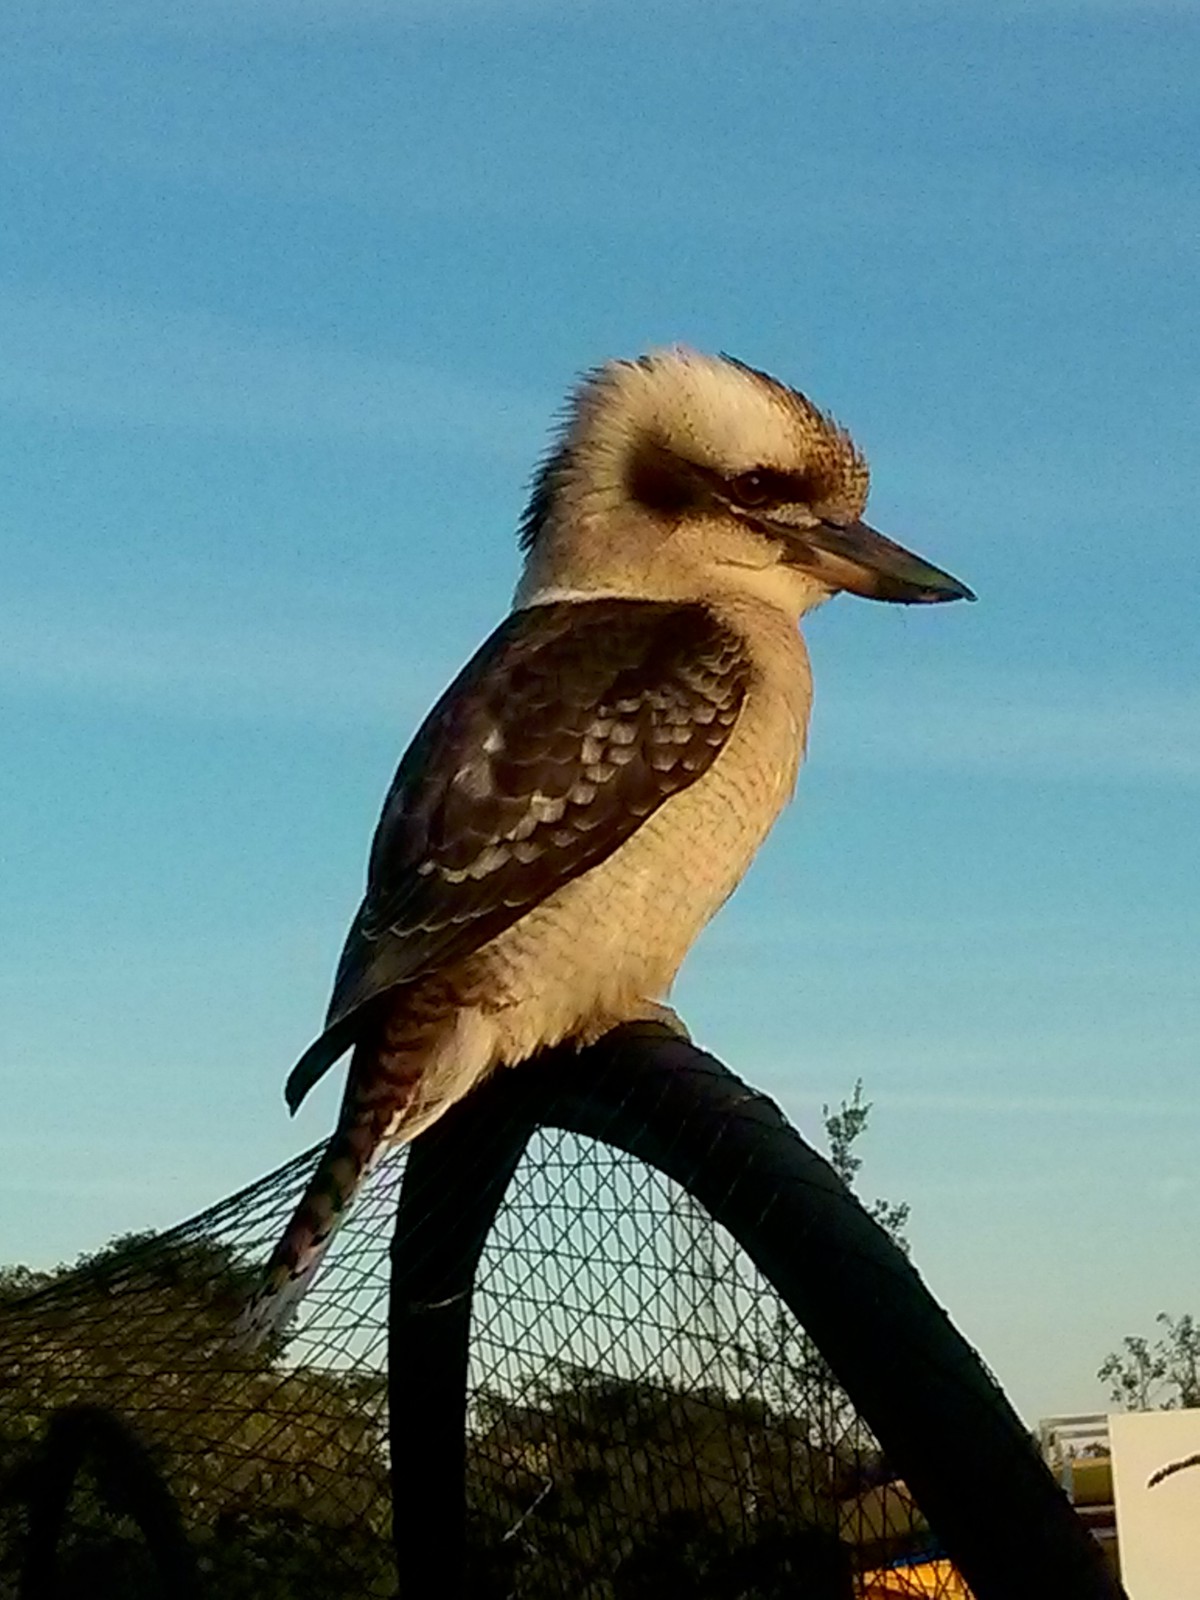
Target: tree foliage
x=254 y=1452
x=843 y=1129
x=1156 y=1375
x=664 y=1488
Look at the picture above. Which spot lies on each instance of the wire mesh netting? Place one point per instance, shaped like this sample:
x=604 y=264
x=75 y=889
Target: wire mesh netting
x=644 y=1414
x=648 y=1418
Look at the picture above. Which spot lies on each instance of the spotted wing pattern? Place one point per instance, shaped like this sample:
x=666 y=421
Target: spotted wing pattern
x=570 y=726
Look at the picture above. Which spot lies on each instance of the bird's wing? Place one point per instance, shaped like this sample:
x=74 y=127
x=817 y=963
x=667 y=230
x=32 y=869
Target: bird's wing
x=568 y=728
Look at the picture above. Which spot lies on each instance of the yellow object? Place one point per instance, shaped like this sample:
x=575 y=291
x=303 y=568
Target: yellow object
x=1091 y=1481
x=926 y=1580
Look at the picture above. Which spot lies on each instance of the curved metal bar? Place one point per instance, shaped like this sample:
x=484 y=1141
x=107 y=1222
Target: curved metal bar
x=941 y=1419
x=125 y=1475
x=454 y=1183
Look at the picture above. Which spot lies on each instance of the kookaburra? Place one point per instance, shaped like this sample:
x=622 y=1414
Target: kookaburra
x=598 y=777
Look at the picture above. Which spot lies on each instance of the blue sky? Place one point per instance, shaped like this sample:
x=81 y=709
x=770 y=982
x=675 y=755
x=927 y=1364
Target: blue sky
x=289 y=295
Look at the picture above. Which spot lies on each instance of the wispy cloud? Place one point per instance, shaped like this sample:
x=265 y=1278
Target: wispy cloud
x=968 y=1076
x=94 y=361
x=972 y=1103
x=209 y=668
x=541 y=170
x=1020 y=726
x=201 y=18
x=240 y=18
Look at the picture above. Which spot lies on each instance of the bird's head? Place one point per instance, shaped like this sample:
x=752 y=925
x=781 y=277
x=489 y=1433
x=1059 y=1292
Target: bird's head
x=688 y=476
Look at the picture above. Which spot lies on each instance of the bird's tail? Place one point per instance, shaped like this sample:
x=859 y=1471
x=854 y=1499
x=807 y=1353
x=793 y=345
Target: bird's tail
x=346 y=1161
x=399 y=1083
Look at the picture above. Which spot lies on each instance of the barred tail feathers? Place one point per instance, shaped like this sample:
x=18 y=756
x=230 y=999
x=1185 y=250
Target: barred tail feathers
x=397 y=1087
x=293 y=1265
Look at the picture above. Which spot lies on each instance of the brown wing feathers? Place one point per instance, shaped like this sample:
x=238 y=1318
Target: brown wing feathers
x=571 y=725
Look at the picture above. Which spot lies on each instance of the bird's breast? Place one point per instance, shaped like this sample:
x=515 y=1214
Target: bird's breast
x=615 y=936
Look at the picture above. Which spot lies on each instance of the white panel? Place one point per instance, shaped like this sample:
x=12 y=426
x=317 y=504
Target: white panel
x=1158 y=1522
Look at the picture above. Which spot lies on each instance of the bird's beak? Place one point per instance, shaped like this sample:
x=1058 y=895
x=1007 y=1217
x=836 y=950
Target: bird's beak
x=853 y=556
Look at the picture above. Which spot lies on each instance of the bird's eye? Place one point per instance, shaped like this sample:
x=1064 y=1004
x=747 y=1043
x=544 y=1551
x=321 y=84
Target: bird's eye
x=750 y=488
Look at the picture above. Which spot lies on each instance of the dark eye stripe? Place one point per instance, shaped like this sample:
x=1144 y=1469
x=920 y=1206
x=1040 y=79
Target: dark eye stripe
x=669 y=484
